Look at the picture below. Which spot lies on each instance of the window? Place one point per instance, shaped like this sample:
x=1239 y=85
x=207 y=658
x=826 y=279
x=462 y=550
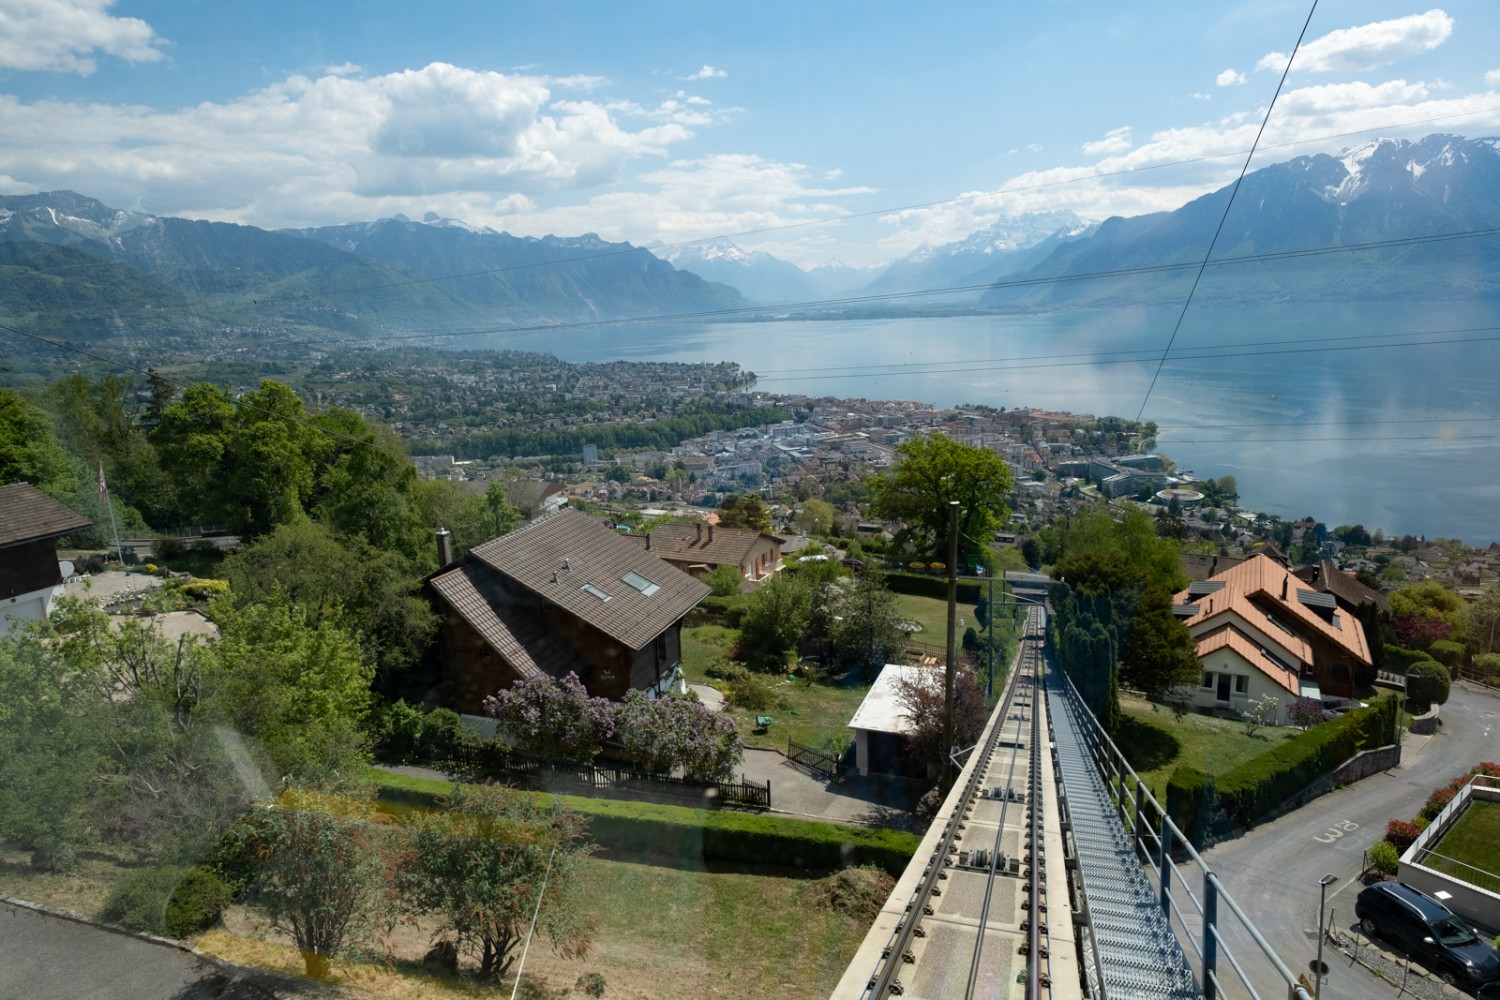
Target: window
x=1208 y=679
x=640 y=583
x=1241 y=684
x=589 y=588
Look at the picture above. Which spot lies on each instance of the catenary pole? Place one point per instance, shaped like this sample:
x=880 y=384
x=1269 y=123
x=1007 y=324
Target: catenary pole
x=952 y=647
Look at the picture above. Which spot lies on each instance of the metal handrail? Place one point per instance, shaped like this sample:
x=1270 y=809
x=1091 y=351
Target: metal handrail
x=1171 y=838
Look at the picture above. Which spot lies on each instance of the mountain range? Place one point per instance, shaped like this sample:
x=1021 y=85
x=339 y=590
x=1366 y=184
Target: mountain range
x=71 y=264
x=1388 y=220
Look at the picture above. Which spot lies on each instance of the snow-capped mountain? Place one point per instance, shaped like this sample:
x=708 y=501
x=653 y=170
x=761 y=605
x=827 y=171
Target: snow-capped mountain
x=1007 y=245
x=1390 y=219
x=759 y=276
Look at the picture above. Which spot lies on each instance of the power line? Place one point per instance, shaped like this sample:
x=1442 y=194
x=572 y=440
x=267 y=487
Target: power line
x=1234 y=191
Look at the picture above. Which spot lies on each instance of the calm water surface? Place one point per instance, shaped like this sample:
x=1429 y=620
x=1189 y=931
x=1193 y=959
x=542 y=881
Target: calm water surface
x=1385 y=417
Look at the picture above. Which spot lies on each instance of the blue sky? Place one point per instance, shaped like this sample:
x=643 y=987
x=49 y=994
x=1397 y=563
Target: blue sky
x=682 y=121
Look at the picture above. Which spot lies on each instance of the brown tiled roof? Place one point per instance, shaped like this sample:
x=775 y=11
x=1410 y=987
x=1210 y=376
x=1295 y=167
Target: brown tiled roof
x=557 y=557
x=1251 y=654
x=1344 y=586
x=27 y=514
x=701 y=543
x=1261 y=575
x=513 y=629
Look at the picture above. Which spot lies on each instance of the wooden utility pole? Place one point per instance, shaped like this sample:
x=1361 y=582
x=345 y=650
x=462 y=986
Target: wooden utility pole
x=952 y=644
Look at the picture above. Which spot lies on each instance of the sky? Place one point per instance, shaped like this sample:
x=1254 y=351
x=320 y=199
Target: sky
x=828 y=131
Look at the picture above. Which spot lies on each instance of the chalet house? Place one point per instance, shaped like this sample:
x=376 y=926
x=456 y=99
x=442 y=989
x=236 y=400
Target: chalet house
x=562 y=594
x=30 y=524
x=699 y=548
x=1259 y=630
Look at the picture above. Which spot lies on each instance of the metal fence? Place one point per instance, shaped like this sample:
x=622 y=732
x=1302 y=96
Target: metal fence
x=488 y=759
x=1189 y=892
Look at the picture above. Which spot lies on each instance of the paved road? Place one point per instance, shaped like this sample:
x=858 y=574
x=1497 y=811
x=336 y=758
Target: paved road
x=1273 y=870
x=44 y=956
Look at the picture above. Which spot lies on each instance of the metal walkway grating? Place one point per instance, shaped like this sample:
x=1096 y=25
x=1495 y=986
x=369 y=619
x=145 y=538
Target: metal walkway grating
x=1139 y=955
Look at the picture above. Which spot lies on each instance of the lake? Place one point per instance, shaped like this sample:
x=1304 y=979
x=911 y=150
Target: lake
x=1382 y=416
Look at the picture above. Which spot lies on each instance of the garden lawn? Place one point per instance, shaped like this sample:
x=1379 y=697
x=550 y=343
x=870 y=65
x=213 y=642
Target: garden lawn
x=932 y=615
x=1474 y=841
x=815 y=715
x=1155 y=743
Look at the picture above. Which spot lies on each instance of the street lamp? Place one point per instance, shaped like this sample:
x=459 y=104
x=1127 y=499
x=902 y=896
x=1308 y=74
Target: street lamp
x=1323 y=884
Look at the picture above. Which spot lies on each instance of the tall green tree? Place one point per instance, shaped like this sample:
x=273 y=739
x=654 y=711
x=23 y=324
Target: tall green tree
x=745 y=510
x=1159 y=655
x=934 y=471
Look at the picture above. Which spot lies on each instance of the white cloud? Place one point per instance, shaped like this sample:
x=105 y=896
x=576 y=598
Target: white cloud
x=1230 y=78
x=336 y=147
x=1366 y=46
x=64 y=35
x=1116 y=140
x=1200 y=96
x=706 y=73
x=1492 y=78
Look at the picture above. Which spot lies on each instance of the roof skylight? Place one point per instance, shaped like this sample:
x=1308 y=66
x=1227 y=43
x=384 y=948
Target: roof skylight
x=589 y=588
x=640 y=583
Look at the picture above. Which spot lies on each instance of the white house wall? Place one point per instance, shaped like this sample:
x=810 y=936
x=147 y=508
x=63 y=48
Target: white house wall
x=1258 y=685
x=26 y=607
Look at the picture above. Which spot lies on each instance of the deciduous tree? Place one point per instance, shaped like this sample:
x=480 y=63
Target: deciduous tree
x=933 y=472
x=920 y=695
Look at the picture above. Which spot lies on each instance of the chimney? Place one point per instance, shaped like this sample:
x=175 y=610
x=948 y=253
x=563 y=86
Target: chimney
x=710 y=534
x=1283 y=588
x=699 y=539
x=445 y=548
x=648 y=541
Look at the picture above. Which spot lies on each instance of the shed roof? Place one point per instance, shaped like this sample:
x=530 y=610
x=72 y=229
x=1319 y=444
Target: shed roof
x=882 y=711
x=28 y=515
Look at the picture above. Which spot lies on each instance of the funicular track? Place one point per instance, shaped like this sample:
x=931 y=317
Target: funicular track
x=975 y=923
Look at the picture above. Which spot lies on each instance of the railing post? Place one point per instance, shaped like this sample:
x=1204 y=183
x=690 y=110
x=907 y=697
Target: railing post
x=1140 y=819
x=1210 y=940
x=1164 y=865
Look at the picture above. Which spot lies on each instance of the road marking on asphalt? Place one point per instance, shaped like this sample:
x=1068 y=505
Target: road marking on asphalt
x=1336 y=831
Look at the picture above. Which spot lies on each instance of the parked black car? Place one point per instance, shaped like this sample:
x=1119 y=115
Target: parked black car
x=1428 y=931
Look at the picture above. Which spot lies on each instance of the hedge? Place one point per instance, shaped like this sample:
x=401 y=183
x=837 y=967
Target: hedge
x=1248 y=792
x=1190 y=798
x=710 y=835
x=1400 y=659
x=931 y=586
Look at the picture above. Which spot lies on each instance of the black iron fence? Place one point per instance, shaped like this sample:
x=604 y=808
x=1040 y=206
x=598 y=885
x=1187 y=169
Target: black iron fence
x=810 y=759
x=491 y=759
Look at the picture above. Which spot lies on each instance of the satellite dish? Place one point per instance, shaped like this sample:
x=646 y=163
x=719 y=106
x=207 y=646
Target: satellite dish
x=65 y=567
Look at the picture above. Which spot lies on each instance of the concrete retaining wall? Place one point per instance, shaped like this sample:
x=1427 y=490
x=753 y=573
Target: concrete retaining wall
x=1477 y=904
x=1425 y=724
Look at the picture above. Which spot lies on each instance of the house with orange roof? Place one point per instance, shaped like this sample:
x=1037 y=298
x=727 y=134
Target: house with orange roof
x=1260 y=630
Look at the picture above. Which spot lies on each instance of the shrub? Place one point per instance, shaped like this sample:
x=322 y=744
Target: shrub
x=205 y=590
x=443 y=732
x=753 y=694
x=1427 y=684
x=725 y=580
x=931 y=586
x=197 y=903
x=1400 y=659
x=398 y=729
x=1487 y=767
x=1447 y=652
x=1190 y=795
x=721 y=668
x=1437 y=802
x=1384 y=858
x=139 y=901
x=1400 y=834
x=590 y=984
x=1421 y=822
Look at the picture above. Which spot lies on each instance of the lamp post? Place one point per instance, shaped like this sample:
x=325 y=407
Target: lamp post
x=1323 y=884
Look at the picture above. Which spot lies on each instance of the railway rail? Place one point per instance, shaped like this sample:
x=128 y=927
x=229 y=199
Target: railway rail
x=973 y=920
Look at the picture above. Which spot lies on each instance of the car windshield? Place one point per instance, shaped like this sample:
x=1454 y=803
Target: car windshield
x=1453 y=931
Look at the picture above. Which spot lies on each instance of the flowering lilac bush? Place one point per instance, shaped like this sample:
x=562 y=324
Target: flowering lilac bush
x=555 y=719
x=667 y=733
x=1305 y=712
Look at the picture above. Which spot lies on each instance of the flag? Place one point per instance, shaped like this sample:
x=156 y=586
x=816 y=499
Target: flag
x=103 y=490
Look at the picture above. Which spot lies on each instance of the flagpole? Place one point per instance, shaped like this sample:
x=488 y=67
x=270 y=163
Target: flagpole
x=114 y=528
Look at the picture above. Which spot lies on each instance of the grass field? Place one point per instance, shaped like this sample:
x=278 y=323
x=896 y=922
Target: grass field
x=1155 y=743
x=1474 y=841
x=662 y=933
x=815 y=715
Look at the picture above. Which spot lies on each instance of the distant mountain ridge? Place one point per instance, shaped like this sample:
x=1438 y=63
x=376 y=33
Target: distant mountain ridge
x=1409 y=205
x=372 y=278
